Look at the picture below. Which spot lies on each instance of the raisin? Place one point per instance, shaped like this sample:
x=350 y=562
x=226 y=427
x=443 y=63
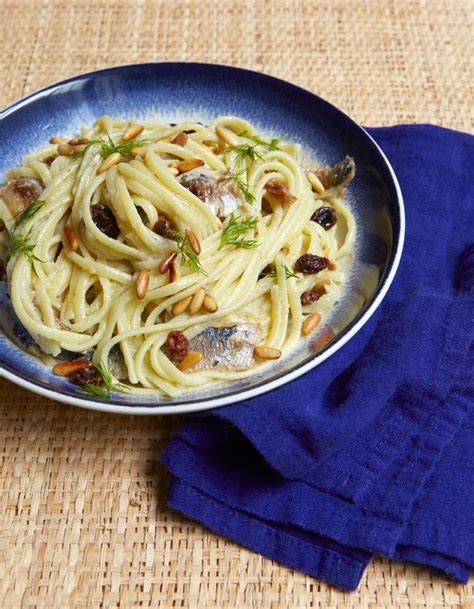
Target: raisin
x=177 y=345
x=308 y=297
x=312 y=295
x=87 y=376
x=279 y=190
x=105 y=221
x=164 y=227
x=49 y=160
x=310 y=264
x=268 y=270
x=325 y=217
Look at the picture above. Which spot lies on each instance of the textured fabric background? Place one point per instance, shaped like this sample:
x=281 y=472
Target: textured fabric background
x=83 y=521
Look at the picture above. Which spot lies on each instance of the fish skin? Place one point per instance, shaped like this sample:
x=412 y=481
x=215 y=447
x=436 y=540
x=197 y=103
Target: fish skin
x=227 y=348
x=336 y=177
x=213 y=189
x=20 y=192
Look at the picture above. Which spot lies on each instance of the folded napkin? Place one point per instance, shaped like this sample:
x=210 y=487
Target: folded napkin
x=372 y=451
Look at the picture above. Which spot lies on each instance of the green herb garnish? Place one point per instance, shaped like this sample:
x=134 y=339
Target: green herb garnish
x=108 y=147
x=101 y=391
x=288 y=272
x=109 y=385
x=247 y=152
x=242 y=186
x=244 y=189
x=237 y=227
x=273 y=144
x=21 y=244
x=27 y=213
x=250 y=153
x=188 y=255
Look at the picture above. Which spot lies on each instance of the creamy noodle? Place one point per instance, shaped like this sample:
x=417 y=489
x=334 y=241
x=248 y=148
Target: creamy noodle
x=80 y=289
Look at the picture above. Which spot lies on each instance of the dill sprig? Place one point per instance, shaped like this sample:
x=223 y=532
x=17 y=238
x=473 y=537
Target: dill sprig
x=241 y=185
x=244 y=189
x=100 y=391
x=27 y=213
x=233 y=231
x=273 y=144
x=20 y=243
x=248 y=152
x=109 y=385
x=288 y=272
x=188 y=255
x=108 y=147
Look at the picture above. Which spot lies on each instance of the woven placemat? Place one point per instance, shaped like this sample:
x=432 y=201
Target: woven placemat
x=83 y=519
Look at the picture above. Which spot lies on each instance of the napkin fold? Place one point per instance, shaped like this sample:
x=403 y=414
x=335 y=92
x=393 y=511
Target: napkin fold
x=372 y=451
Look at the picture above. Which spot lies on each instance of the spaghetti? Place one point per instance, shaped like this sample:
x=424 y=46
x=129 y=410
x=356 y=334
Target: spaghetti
x=169 y=257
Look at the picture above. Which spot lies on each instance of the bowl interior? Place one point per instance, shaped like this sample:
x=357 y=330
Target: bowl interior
x=175 y=92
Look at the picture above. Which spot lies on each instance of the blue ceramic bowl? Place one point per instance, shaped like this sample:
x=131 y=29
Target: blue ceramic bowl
x=175 y=91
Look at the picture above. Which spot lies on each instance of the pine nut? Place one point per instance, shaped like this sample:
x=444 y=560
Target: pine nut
x=68 y=368
x=196 y=302
x=109 y=162
x=166 y=262
x=71 y=237
x=76 y=141
x=193 y=358
x=213 y=146
x=138 y=151
x=132 y=132
x=66 y=150
x=315 y=182
x=58 y=140
x=173 y=170
x=181 y=306
x=180 y=139
x=189 y=164
x=267 y=352
x=331 y=265
x=310 y=323
x=227 y=136
x=320 y=287
x=143 y=281
x=194 y=243
x=209 y=304
x=175 y=273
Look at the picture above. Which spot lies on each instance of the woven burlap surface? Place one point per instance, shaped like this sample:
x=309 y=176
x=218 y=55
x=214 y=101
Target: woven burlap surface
x=83 y=518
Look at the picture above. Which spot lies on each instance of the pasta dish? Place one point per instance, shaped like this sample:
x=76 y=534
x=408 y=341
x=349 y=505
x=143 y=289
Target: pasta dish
x=157 y=258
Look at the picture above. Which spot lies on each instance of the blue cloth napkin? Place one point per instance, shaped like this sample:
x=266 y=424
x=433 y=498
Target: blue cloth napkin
x=373 y=451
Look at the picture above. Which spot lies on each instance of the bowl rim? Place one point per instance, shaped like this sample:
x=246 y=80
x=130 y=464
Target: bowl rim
x=282 y=379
